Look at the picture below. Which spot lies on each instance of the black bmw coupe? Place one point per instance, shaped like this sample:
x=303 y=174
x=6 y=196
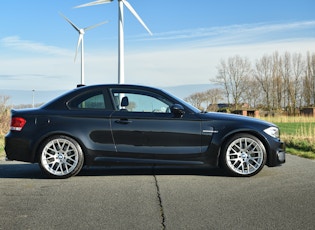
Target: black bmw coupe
x=132 y=125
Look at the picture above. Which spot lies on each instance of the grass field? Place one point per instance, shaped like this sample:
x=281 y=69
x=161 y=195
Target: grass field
x=298 y=133
x=301 y=126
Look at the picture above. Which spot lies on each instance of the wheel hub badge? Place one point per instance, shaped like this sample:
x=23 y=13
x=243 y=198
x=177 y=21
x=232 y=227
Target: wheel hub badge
x=244 y=157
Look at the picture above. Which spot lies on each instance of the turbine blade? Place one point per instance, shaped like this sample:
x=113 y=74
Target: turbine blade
x=71 y=23
x=132 y=10
x=96 y=25
x=94 y=3
x=78 y=45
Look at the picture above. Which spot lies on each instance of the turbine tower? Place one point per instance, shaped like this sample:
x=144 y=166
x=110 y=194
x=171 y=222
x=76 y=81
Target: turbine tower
x=81 y=42
x=121 y=4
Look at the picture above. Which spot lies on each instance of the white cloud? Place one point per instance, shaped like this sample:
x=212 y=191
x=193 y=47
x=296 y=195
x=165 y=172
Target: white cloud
x=15 y=42
x=198 y=65
x=186 y=61
x=236 y=34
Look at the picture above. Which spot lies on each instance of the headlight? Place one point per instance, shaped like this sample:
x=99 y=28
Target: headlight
x=273 y=131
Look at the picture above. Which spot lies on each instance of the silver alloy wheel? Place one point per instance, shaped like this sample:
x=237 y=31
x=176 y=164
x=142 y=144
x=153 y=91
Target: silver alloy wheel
x=245 y=155
x=60 y=157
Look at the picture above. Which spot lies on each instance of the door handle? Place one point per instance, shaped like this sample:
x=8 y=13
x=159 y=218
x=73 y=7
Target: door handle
x=123 y=121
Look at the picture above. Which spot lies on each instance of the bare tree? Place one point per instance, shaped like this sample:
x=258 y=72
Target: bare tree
x=277 y=82
x=212 y=98
x=232 y=75
x=252 y=95
x=280 y=81
x=286 y=76
x=309 y=80
x=298 y=68
x=196 y=100
x=263 y=74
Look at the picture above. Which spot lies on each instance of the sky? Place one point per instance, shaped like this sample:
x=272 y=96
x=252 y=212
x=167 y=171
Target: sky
x=190 y=38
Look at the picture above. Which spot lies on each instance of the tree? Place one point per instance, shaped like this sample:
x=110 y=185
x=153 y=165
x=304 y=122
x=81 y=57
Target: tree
x=212 y=97
x=252 y=95
x=209 y=97
x=233 y=75
x=196 y=100
x=309 y=80
x=298 y=68
x=286 y=76
x=277 y=83
x=263 y=73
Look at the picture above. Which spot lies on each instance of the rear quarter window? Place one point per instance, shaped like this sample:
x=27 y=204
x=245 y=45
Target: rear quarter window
x=89 y=100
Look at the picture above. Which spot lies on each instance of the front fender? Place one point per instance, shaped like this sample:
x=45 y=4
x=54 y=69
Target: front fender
x=219 y=140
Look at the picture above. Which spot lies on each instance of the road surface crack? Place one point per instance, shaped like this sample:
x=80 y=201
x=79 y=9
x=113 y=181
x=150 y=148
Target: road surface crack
x=160 y=202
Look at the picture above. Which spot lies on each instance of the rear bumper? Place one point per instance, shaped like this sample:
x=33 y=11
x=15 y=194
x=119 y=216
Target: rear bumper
x=18 y=149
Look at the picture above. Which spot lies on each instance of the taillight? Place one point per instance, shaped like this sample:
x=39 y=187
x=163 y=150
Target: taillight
x=17 y=123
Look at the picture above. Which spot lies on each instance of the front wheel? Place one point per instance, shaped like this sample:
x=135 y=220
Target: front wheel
x=243 y=155
x=61 y=157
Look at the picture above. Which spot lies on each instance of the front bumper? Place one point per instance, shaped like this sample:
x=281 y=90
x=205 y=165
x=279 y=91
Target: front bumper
x=277 y=154
x=281 y=156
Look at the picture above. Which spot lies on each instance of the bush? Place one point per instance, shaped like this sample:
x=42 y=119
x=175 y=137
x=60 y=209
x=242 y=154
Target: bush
x=4 y=115
x=304 y=145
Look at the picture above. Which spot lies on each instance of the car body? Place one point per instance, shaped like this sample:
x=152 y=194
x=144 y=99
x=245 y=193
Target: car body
x=132 y=125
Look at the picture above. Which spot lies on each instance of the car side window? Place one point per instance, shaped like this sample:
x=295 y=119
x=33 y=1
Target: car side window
x=141 y=102
x=90 y=100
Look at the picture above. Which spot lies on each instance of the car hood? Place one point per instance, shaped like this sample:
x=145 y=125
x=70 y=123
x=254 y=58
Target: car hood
x=235 y=118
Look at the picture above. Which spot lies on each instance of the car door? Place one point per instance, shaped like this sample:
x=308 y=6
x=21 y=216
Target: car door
x=89 y=120
x=145 y=129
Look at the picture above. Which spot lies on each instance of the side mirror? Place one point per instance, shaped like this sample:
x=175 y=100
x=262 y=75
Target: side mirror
x=178 y=110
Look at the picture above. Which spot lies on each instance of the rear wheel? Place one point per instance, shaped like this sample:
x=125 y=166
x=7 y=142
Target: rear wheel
x=243 y=155
x=61 y=157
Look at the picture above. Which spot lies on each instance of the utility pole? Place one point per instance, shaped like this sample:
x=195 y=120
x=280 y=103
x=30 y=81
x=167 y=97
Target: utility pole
x=33 y=98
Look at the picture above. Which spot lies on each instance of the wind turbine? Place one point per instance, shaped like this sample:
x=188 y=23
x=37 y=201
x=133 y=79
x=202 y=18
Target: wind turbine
x=121 y=4
x=81 y=42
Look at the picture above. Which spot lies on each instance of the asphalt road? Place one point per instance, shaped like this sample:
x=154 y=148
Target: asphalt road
x=103 y=198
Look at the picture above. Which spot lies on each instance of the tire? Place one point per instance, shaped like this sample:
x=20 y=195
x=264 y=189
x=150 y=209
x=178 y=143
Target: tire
x=61 y=157
x=243 y=155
